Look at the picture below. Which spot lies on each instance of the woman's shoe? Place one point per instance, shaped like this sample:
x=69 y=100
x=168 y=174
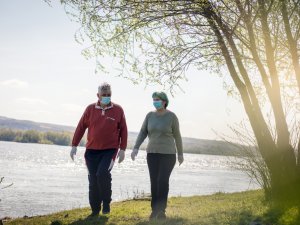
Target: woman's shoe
x=161 y=216
x=106 y=208
x=152 y=216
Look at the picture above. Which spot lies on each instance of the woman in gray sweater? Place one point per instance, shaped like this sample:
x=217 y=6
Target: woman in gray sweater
x=162 y=128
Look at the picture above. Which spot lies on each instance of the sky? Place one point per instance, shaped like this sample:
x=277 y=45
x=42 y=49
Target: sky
x=45 y=78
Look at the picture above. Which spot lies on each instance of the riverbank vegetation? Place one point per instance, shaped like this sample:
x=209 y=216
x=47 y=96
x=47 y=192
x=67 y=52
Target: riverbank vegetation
x=64 y=137
x=217 y=209
x=33 y=136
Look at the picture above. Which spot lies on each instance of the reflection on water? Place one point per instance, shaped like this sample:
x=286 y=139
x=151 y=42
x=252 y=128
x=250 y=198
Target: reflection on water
x=45 y=180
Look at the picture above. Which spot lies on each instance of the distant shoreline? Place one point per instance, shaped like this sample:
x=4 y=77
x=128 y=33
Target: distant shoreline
x=46 y=133
x=128 y=148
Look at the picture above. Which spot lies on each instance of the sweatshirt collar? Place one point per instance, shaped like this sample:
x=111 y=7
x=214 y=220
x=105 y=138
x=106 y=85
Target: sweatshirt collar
x=98 y=106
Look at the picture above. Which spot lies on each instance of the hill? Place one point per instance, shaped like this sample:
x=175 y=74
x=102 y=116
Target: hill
x=6 y=122
x=190 y=145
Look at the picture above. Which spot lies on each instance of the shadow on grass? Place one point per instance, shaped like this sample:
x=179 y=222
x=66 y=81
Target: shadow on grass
x=247 y=217
x=244 y=217
x=271 y=217
x=168 y=221
x=101 y=220
x=283 y=215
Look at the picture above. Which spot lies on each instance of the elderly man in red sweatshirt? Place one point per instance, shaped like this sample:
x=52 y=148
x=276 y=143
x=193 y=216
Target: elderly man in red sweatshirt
x=107 y=133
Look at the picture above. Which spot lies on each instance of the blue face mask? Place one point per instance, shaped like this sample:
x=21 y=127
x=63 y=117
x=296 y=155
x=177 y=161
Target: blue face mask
x=158 y=104
x=105 y=100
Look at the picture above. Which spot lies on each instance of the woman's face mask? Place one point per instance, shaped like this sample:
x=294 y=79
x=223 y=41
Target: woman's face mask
x=157 y=104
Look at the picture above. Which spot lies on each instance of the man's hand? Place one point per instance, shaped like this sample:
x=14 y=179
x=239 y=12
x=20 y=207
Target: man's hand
x=73 y=152
x=180 y=159
x=121 y=155
x=134 y=154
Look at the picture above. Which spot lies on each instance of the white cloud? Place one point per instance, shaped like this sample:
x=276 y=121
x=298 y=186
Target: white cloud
x=31 y=101
x=72 y=107
x=14 y=83
x=86 y=91
x=34 y=113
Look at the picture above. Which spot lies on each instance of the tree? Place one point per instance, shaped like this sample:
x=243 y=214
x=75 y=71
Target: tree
x=7 y=135
x=257 y=42
x=61 y=138
x=31 y=136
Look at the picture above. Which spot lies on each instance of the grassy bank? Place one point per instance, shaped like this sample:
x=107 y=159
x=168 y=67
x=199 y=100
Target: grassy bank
x=218 y=209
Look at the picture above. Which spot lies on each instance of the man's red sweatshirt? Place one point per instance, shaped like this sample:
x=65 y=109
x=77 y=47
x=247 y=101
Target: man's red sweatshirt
x=107 y=127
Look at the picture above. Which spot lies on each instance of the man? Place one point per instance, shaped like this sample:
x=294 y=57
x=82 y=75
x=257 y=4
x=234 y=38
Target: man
x=107 y=133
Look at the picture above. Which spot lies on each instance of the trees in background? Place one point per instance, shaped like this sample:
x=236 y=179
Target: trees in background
x=33 y=136
x=62 y=138
x=255 y=43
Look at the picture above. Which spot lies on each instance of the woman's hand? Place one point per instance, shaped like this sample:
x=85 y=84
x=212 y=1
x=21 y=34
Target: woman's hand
x=134 y=154
x=180 y=159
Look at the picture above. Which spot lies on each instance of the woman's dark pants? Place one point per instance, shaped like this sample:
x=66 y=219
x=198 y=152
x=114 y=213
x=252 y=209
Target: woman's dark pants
x=160 y=168
x=98 y=162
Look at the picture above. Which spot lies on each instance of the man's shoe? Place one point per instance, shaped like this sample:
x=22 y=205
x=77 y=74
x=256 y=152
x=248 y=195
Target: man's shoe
x=93 y=214
x=106 y=208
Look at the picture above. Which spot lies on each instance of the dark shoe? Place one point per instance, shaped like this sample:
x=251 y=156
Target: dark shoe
x=161 y=216
x=93 y=214
x=152 y=216
x=106 y=208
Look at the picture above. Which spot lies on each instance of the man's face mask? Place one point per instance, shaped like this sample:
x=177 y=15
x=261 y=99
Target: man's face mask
x=105 y=99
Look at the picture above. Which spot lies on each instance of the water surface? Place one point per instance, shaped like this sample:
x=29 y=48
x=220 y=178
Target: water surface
x=46 y=180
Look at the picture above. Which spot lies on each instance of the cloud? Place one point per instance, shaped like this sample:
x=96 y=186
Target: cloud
x=72 y=107
x=34 y=113
x=14 y=83
x=83 y=92
x=31 y=101
x=86 y=91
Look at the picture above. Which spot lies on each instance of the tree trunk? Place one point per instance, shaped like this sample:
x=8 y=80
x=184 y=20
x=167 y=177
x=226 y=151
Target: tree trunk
x=279 y=157
x=291 y=41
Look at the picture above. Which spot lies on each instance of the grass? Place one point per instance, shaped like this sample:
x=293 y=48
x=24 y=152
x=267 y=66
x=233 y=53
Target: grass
x=218 y=209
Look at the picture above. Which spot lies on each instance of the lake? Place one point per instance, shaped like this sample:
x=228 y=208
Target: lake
x=46 y=180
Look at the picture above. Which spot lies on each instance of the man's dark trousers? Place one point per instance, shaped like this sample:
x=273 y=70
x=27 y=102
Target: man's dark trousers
x=98 y=162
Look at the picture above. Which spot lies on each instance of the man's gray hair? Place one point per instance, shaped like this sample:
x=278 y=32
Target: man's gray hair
x=104 y=87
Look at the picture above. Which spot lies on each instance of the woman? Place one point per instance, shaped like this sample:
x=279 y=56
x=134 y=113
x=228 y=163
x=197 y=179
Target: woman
x=162 y=128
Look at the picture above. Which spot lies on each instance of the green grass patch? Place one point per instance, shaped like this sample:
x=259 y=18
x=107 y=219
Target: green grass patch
x=218 y=209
